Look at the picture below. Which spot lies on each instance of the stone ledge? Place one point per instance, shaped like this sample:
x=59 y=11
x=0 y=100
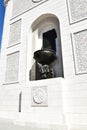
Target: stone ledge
x=78 y=127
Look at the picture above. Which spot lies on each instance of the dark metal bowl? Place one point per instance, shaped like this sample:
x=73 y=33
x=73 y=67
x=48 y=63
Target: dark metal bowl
x=45 y=56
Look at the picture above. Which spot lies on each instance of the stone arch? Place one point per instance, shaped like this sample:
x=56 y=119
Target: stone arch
x=40 y=27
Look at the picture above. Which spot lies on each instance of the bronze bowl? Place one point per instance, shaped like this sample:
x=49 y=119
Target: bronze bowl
x=45 y=56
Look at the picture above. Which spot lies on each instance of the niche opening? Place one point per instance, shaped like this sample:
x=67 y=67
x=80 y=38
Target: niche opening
x=46 y=37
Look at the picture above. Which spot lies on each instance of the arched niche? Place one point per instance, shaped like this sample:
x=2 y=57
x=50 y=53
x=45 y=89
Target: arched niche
x=46 y=34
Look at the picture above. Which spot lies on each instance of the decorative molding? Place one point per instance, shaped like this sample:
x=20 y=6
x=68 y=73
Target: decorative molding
x=13 y=45
x=15 y=33
x=36 y=1
x=39 y=96
x=79 y=40
x=12 y=68
x=77 y=10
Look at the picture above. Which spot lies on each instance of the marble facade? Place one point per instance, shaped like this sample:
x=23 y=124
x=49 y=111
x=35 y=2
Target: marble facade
x=58 y=103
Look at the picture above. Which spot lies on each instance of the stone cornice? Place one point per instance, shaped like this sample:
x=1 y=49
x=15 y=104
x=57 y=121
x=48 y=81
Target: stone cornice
x=6 y=2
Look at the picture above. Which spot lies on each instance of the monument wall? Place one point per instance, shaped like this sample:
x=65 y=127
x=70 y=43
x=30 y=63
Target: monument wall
x=63 y=104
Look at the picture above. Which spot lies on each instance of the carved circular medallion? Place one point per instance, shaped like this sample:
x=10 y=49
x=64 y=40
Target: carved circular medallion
x=35 y=1
x=39 y=95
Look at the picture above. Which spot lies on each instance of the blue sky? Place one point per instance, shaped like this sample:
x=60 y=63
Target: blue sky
x=2 y=11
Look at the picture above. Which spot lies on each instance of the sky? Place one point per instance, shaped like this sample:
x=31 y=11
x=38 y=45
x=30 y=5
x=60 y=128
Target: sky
x=2 y=11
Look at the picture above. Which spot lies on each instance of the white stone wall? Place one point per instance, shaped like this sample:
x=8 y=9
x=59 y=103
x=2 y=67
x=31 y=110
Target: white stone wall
x=75 y=102
x=66 y=100
x=20 y=7
x=77 y=10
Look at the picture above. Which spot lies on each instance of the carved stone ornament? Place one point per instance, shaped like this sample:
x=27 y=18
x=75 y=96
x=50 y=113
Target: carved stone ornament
x=35 y=1
x=39 y=95
x=6 y=2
